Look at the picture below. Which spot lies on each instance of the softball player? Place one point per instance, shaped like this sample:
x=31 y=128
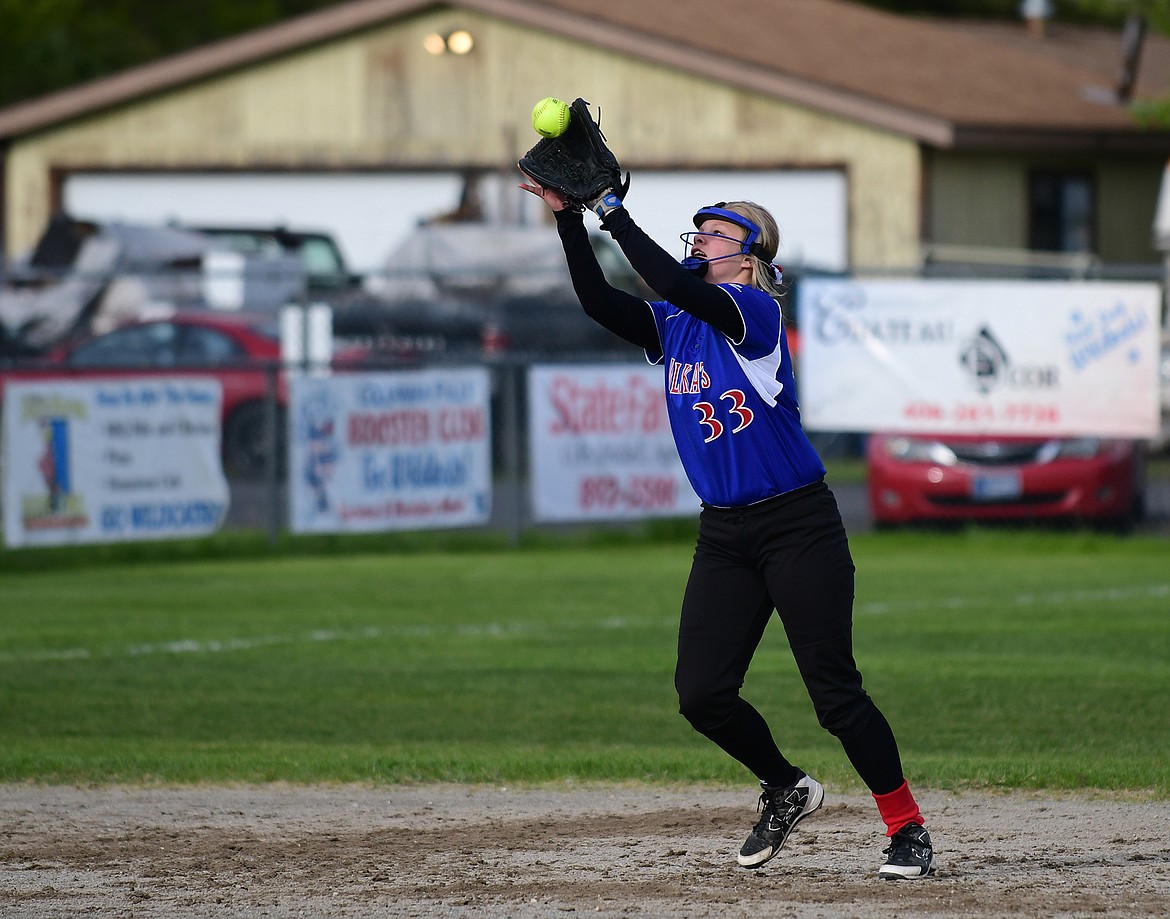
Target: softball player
x=770 y=532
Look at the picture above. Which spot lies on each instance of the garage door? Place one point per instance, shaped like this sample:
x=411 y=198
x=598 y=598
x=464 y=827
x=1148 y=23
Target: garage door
x=810 y=207
x=368 y=214
x=371 y=213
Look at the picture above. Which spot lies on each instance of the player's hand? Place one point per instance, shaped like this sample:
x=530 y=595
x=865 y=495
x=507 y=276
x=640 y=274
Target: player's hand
x=553 y=198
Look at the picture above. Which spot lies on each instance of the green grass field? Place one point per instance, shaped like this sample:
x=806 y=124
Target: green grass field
x=1003 y=659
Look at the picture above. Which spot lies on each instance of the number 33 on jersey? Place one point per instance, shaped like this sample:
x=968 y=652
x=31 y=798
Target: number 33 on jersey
x=732 y=406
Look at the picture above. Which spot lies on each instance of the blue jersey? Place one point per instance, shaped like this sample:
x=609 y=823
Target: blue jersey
x=732 y=407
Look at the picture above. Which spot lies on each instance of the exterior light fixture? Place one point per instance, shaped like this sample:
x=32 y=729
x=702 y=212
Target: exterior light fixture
x=460 y=41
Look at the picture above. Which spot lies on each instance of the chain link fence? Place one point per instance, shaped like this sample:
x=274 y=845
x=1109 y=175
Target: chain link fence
x=65 y=319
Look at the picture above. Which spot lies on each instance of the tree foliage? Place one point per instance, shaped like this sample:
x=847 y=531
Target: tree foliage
x=46 y=45
x=1088 y=12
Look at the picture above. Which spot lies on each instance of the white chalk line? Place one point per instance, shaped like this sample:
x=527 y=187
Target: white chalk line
x=617 y=623
x=217 y=646
x=1099 y=595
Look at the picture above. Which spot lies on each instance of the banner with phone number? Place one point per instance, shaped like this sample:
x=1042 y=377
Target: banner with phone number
x=1058 y=358
x=600 y=446
x=111 y=461
x=389 y=451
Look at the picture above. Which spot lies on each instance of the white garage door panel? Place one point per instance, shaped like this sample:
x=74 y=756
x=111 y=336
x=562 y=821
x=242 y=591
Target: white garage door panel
x=370 y=214
x=810 y=207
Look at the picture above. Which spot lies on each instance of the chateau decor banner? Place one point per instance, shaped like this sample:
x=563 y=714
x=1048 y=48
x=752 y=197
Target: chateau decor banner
x=1061 y=358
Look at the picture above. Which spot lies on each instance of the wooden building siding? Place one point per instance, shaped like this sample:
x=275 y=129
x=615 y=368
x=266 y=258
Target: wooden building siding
x=982 y=200
x=1126 y=208
x=977 y=200
x=377 y=100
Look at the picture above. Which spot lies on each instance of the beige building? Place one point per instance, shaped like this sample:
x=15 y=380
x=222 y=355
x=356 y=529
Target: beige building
x=877 y=139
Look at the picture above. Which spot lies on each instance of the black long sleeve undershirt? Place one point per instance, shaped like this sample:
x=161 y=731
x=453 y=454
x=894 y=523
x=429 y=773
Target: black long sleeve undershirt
x=623 y=313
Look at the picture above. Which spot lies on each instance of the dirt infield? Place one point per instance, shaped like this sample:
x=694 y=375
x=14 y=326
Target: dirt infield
x=454 y=851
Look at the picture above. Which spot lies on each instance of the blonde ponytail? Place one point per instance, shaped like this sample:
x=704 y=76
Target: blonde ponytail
x=765 y=275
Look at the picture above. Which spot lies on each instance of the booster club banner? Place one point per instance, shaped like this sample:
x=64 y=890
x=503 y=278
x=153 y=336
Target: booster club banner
x=600 y=445
x=111 y=460
x=980 y=357
x=389 y=451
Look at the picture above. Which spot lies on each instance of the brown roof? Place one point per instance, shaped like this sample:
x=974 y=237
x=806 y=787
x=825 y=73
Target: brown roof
x=975 y=81
x=945 y=82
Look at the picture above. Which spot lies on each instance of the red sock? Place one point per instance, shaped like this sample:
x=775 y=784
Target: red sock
x=898 y=808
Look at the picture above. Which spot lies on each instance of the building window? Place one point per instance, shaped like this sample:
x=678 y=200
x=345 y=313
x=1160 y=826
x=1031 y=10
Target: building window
x=1062 y=210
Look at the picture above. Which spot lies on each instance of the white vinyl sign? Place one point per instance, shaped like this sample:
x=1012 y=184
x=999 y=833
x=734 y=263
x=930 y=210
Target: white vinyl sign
x=389 y=451
x=600 y=445
x=111 y=461
x=980 y=357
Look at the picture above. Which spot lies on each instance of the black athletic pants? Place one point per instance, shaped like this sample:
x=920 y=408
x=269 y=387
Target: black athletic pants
x=789 y=554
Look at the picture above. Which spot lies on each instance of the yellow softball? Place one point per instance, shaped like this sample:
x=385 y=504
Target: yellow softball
x=550 y=117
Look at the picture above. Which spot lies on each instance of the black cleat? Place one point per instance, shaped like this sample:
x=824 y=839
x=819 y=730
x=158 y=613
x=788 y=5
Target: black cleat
x=782 y=809
x=910 y=855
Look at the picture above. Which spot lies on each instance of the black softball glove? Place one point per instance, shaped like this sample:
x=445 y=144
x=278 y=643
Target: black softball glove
x=578 y=163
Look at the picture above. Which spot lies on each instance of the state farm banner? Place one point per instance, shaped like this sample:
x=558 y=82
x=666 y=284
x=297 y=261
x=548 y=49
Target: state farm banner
x=1063 y=358
x=600 y=445
x=389 y=451
x=111 y=460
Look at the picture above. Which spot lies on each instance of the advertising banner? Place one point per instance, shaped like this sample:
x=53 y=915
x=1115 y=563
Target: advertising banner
x=389 y=451
x=1059 y=358
x=111 y=461
x=600 y=445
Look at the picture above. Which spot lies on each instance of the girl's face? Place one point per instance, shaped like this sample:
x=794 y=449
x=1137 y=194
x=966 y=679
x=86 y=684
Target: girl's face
x=717 y=239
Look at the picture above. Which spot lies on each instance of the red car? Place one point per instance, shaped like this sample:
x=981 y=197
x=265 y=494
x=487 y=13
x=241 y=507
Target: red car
x=232 y=349
x=916 y=478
